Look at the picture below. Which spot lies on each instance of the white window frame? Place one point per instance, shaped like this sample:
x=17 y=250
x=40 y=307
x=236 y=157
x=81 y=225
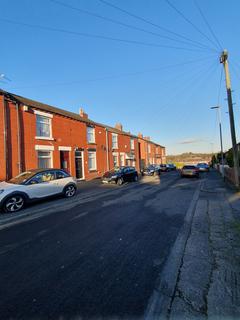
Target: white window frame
x=115 y=154
x=132 y=144
x=149 y=148
x=51 y=157
x=46 y=115
x=93 y=131
x=122 y=154
x=47 y=149
x=93 y=168
x=115 y=143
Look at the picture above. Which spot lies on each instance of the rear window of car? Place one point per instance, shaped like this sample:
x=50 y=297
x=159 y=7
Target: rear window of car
x=61 y=174
x=189 y=167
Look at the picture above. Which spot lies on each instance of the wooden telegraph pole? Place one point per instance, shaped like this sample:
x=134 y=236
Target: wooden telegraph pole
x=224 y=61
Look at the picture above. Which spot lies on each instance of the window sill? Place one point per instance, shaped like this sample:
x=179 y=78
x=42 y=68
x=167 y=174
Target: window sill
x=92 y=170
x=44 y=138
x=92 y=143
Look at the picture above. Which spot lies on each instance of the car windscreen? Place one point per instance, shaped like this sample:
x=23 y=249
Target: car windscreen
x=189 y=167
x=116 y=170
x=22 y=178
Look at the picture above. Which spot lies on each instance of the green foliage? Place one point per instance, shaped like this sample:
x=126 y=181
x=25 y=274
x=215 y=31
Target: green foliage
x=229 y=158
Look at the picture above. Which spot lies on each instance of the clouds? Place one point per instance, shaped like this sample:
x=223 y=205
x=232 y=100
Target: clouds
x=190 y=141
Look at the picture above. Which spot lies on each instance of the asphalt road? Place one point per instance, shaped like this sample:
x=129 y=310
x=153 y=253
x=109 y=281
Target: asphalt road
x=97 y=258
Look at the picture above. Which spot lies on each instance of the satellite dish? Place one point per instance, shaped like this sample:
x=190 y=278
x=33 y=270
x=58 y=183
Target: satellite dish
x=3 y=77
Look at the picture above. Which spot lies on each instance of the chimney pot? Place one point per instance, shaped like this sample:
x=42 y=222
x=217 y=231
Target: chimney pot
x=119 y=126
x=83 y=114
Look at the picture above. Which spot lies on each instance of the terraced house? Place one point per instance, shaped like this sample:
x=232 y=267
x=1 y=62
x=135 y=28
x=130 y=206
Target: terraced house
x=36 y=135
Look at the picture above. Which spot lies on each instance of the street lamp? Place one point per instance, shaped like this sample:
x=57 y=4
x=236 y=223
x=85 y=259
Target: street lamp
x=220 y=130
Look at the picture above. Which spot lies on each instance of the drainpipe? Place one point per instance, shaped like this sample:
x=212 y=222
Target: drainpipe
x=19 y=140
x=107 y=149
x=5 y=136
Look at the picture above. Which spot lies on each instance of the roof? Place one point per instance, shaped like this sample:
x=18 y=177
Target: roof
x=65 y=113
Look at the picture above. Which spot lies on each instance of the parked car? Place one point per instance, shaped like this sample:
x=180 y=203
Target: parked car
x=171 y=167
x=190 y=171
x=151 y=170
x=34 y=185
x=120 y=175
x=203 y=167
x=164 y=168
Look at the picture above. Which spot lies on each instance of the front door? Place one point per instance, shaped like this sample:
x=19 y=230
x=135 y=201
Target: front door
x=79 y=164
x=64 y=161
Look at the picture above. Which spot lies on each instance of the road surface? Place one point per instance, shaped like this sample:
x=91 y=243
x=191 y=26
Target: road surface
x=95 y=258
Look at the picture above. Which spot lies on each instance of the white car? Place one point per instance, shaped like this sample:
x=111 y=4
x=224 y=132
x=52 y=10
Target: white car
x=34 y=185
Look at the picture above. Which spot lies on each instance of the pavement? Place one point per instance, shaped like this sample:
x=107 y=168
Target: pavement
x=201 y=279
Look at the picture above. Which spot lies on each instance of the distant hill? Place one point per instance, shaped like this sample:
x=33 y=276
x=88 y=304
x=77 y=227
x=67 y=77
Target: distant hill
x=189 y=157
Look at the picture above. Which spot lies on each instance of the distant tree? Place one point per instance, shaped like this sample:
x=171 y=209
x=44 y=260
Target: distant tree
x=229 y=158
x=214 y=159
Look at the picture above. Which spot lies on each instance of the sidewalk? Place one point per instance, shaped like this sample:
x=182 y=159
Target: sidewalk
x=207 y=282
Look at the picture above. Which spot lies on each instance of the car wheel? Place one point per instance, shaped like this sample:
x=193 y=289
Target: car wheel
x=120 y=181
x=136 y=178
x=14 y=203
x=69 y=191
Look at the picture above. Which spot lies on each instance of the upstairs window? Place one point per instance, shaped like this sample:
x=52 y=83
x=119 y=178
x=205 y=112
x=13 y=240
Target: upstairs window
x=90 y=135
x=149 y=148
x=132 y=144
x=114 y=141
x=44 y=126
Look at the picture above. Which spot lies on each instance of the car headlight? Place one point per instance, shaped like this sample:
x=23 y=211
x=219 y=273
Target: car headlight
x=114 y=177
x=1 y=191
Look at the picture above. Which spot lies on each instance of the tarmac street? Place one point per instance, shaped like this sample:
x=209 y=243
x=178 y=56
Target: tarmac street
x=96 y=256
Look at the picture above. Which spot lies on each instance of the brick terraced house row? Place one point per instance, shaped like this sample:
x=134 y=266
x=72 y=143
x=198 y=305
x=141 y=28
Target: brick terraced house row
x=36 y=135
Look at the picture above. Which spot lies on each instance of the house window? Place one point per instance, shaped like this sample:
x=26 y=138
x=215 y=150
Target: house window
x=122 y=160
x=44 y=126
x=92 y=160
x=132 y=144
x=44 y=159
x=115 y=160
x=149 y=148
x=114 y=141
x=90 y=135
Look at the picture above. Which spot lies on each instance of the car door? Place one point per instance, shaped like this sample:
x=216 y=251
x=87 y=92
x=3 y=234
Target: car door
x=42 y=185
x=62 y=179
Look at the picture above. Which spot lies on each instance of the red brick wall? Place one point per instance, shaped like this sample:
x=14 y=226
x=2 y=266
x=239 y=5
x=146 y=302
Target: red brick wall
x=2 y=151
x=66 y=132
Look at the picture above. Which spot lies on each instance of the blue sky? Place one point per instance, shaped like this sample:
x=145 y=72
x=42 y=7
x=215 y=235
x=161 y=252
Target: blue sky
x=153 y=85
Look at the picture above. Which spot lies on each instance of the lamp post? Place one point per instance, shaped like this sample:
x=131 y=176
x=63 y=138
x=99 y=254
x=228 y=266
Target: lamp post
x=220 y=130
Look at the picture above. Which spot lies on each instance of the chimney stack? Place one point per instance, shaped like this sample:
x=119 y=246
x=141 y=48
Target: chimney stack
x=83 y=114
x=119 y=126
x=140 y=135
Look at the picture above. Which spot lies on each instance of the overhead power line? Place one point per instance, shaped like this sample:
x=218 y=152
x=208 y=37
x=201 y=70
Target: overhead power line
x=189 y=22
x=96 y=15
x=95 y=36
x=123 y=75
x=155 y=24
x=209 y=26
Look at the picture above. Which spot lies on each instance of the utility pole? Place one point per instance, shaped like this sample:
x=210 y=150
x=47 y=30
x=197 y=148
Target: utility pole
x=224 y=61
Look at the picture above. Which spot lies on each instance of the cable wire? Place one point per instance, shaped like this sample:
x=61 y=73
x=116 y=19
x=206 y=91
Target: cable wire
x=95 y=36
x=154 y=24
x=208 y=25
x=189 y=21
x=123 y=75
x=93 y=14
